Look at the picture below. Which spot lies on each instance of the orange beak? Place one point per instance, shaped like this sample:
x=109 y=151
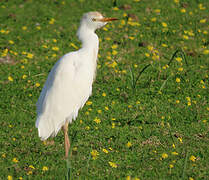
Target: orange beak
x=107 y=19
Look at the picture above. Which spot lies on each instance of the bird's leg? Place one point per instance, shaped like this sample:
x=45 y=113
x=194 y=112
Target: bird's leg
x=67 y=141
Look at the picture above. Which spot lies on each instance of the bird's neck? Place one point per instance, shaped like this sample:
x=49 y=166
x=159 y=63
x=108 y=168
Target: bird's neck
x=88 y=38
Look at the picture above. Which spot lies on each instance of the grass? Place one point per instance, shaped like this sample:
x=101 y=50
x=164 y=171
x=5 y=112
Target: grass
x=140 y=123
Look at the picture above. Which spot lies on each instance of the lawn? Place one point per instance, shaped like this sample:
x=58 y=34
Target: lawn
x=148 y=117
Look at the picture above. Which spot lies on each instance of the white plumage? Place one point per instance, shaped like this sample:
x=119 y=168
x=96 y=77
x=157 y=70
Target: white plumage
x=69 y=83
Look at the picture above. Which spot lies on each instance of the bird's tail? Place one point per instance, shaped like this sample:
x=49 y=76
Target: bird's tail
x=45 y=128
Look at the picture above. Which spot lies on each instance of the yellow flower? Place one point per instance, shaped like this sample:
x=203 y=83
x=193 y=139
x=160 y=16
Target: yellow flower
x=201 y=7
x=176 y=1
x=180 y=69
x=153 y=19
x=15 y=160
x=174 y=153
x=164 y=24
x=106 y=108
x=129 y=144
x=171 y=165
x=178 y=80
x=89 y=103
x=190 y=178
x=37 y=84
x=123 y=22
x=94 y=154
x=10 y=78
x=52 y=20
x=31 y=166
x=115 y=8
x=114 y=46
x=114 y=52
x=179 y=59
x=192 y=158
x=206 y=51
x=183 y=10
x=147 y=54
x=55 y=48
x=24 y=28
x=24 y=76
x=105 y=151
x=97 y=120
x=173 y=145
x=113 y=64
x=186 y=37
x=164 y=45
x=38 y=27
x=9 y=177
x=112 y=164
x=164 y=155
x=45 y=168
x=2 y=31
x=103 y=94
x=128 y=178
x=11 y=42
x=3 y=155
x=203 y=21
x=180 y=140
x=29 y=172
x=157 y=10
x=29 y=55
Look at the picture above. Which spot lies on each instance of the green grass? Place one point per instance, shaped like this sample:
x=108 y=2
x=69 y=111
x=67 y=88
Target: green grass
x=164 y=110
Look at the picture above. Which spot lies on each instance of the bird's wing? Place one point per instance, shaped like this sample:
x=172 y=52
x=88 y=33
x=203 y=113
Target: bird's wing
x=66 y=90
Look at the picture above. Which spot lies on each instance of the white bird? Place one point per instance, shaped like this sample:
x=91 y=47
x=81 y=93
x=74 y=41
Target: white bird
x=69 y=84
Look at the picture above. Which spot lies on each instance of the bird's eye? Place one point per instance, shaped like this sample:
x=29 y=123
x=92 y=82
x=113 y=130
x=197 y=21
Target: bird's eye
x=93 y=19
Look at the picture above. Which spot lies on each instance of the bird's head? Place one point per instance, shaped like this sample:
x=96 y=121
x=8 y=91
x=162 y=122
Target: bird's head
x=95 y=20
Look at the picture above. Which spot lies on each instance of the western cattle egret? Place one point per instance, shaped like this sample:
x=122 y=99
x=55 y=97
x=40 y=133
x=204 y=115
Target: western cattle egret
x=69 y=84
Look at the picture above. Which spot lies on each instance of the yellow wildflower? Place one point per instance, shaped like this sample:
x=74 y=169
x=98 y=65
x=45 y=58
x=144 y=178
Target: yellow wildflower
x=11 y=42
x=9 y=177
x=10 y=78
x=129 y=144
x=114 y=46
x=97 y=120
x=55 y=48
x=29 y=55
x=203 y=21
x=24 y=28
x=89 y=103
x=206 y=51
x=94 y=154
x=183 y=10
x=52 y=20
x=174 y=153
x=179 y=59
x=105 y=151
x=37 y=84
x=171 y=165
x=153 y=19
x=15 y=160
x=192 y=158
x=45 y=168
x=103 y=94
x=112 y=164
x=24 y=76
x=178 y=80
x=164 y=155
x=164 y=24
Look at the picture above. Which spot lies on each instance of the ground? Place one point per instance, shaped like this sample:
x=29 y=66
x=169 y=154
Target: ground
x=148 y=115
